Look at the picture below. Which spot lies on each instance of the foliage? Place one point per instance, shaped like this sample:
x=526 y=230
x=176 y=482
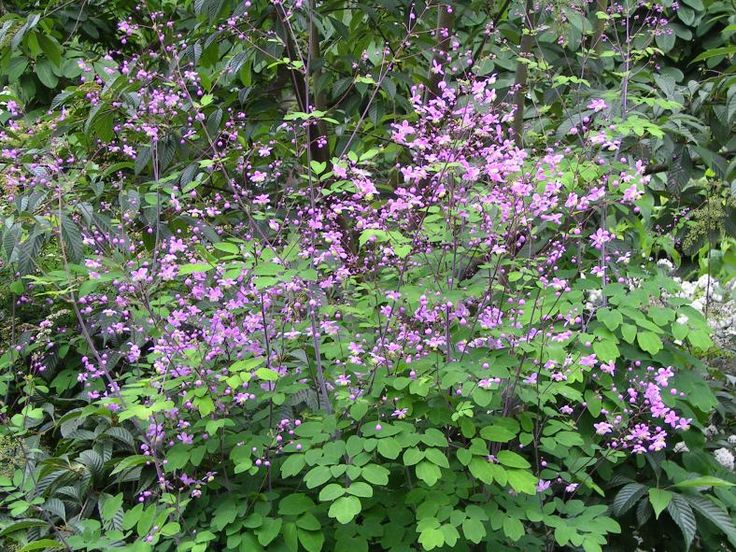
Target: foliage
x=330 y=276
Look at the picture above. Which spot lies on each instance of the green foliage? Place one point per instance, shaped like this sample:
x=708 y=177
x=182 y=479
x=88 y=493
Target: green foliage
x=461 y=466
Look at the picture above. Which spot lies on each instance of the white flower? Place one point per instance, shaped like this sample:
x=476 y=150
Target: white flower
x=710 y=431
x=595 y=297
x=732 y=440
x=725 y=458
x=681 y=447
x=666 y=264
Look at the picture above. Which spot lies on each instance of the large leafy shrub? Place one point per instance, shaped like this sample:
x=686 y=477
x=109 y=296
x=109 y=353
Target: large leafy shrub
x=381 y=311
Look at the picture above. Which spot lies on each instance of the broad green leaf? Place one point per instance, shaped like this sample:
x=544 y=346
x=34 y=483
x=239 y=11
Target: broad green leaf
x=375 y=474
x=428 y=472
x=612 y=318
x=649 y=342
x=295 y=504
x=704 y=481
x=522 y=481
x=345 y=508
x=513 y=460
x=660 y=499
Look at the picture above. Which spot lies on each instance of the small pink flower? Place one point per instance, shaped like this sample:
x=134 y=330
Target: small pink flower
x=597 y=105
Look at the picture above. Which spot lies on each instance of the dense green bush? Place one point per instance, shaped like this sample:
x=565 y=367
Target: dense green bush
x=367 y=277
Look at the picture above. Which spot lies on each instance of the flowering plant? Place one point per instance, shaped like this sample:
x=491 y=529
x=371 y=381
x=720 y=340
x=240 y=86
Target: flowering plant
x=288 y=337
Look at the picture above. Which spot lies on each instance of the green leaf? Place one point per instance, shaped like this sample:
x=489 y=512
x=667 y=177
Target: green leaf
x=361 y=489
x=606 y=350
x=659 y=498
x=375 y=474
x=716 y=515
x=481 y=469
x=389 y=448
x=522 y=481
x=51 y=48
x=45 y=73
x=513 y=528
x=704 y=481
x=563 y=534
x=312 y=541
x=43 y=544
x=649 y=342
x=700 y=339
x=109 y=505
x=318 y=166
x=402 y=251
x=345 y=509
x=189 y=268
x=292 y=465
x=241 y=458
x=21 y=525
x=431 y=538
x=513 y=460
x=269 y=530
x=227 y=247
x=497 y=434
x=428 y=472
x=412 y=456
x=130 y=462
x=72 y=239
x=358 y=410
x=295 y=504
x=474 y=530
x=611 y=318
x=317 y=476
x=627 y=497
x=628 y=331
x=267 y=374
x=715 y=52
x=309 y=522
x=682 y=514
x=289 y=533
x=437 y=457
x=331 y=492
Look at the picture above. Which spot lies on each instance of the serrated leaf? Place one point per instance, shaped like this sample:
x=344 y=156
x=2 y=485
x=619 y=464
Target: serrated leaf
x=682 y=514
x=72 y=239
x=627 y=497
x=43 y=544
x=93 y=461
x=716 y=515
